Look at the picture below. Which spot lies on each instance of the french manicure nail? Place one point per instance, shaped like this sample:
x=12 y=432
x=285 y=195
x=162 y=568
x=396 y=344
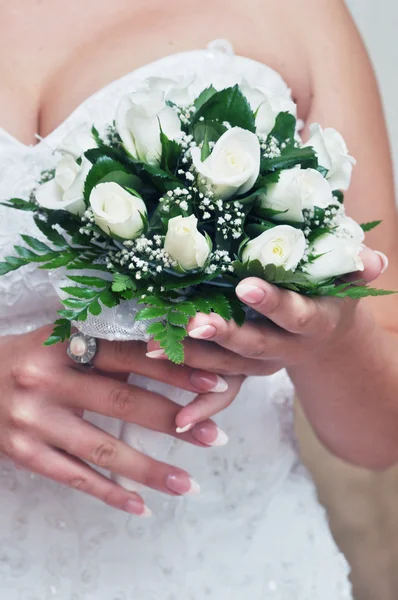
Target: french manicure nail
x=156 y=353
x=384 y=260
x=205 y=435
x=212 y=383
x=183 y=484
x=184 y=429
x=205 y=332
x=250 y=293
x=137 y=508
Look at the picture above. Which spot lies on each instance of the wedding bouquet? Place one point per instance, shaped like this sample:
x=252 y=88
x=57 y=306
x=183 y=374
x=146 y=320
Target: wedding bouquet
x=179 y=199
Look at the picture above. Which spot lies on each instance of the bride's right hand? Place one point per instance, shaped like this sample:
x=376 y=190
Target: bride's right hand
x=44 y=396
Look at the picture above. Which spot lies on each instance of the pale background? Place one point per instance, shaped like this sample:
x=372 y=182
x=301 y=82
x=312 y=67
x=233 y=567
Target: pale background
x=378 y=23
x=363 y=506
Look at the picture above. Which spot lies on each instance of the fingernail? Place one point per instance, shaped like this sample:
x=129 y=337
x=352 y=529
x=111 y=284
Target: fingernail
x=384 y=260
x=250 y=293
x=210 y=434
x=182 y=484
x=203 y=333
x=208 y=382
x=157 y=354
x=138 y=508
x=184 y=429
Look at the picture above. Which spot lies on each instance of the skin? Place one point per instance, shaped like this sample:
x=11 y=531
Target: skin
x=340 y=354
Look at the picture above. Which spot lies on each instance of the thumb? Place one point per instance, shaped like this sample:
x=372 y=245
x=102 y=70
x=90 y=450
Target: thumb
x=375 y=263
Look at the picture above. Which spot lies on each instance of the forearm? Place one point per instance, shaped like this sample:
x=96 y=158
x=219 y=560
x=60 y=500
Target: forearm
x=350 y=394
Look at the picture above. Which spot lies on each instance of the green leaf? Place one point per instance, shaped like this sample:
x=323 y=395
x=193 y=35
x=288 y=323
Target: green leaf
x=204 y=97
x=59 y=261
x=171 y=153
x=220 y=305
x=155 y=328
x=177 y=318
x=209 y=131
x=187 y=308
x=83 y=265
x=172 y=342
x=20 y=204
x=127 y=294
x=339 y=196
x=108 y=298
x=96 y=136
x=82 y=316
x=51 y=234
x=74 y=303
x=95 y=308
x=253 y=230
x=357 y=292
x=228 y=105
x=154 y=301
x=371 y=225
x=53 y=339
x=238 y=311
x=150 y=313
x=98 y=171
x=80 y=292
x=305 y=157
x=126 y=180
x=284 y=128
x=268 y=213
x=122 y=282
x=26 y=253
x=201 y=304
x=61 y=332
x=89 y=281
x=36 y=244
x=11 y=265
x=175 y=282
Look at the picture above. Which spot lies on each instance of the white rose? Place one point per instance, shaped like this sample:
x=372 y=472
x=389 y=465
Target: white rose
x=282 y=246
x=332 y=153
x=117 y=211
x=336 y=256
x=296 y=190
x=233 y=165
x=65 y=191
x=350 y=229
x=139 y=118
x=78 y=140
x=185 y=244
x=267 y=106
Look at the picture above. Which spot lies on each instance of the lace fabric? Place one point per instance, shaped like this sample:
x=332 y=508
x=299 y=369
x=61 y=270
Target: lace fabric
x=256 y=530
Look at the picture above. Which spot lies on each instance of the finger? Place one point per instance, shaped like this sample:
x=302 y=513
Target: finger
x=91 y=444
x=291 y=311
x=374 y=262
x=216 y=357
x=122 y=401
x=260 y=341
x=206 y=405
x=126 y=357
x=71 y=472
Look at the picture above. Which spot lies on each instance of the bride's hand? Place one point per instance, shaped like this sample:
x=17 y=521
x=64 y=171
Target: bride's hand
x=43 y=400
x=295 y=328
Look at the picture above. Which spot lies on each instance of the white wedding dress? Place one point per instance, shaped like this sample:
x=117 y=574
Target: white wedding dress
x=255 y=532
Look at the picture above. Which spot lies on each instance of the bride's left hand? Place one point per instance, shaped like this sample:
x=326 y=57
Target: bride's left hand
x=296 y=327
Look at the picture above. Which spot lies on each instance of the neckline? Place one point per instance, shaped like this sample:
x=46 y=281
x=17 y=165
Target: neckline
x=215 y=47
x=44 y=140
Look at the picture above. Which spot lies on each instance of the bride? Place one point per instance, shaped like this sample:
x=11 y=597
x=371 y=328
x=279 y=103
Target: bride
x=256 y=529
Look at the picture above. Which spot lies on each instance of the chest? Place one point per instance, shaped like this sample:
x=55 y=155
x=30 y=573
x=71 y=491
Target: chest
x=67 y=51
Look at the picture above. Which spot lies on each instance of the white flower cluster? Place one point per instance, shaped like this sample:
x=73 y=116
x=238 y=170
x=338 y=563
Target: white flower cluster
x=143 y=257
x=299 y=203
